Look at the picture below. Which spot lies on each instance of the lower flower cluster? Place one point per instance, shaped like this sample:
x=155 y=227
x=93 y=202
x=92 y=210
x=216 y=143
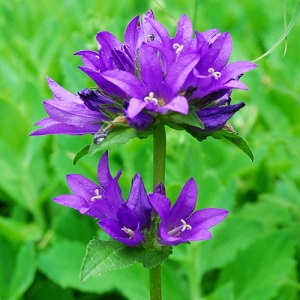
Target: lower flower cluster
x=131 y=221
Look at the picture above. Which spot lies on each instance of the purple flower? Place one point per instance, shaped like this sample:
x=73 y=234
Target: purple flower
x=67 y=114
x=123 y=221
x=149 y=78
x=180 y=224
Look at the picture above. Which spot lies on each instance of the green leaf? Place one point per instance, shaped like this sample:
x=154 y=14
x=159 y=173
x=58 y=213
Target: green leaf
x=84 y=151
x=61 y=264
x=24 y=271
x=173 y=120
x=259 y=271
x=118 y=135
x=106 y=256
x=235 y=139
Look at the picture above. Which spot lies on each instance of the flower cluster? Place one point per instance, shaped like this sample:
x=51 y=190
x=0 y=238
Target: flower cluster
x=150 y=78
x=130 y=222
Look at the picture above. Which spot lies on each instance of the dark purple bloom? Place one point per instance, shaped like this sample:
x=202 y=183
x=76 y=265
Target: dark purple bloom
x=123 y=221
x=180 y=223
x=148 y=78
x=67 y=114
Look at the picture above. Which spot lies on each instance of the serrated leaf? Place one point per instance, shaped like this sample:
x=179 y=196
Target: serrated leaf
x=106 y=256
x=118 y=135
x=235 y=139
x=84 y=151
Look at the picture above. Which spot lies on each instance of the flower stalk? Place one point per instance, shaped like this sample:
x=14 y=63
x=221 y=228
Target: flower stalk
x=159 y=167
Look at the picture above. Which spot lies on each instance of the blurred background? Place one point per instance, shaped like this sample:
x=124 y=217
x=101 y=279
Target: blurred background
x=254 y=253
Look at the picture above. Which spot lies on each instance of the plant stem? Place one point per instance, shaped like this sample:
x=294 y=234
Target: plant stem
x=159 y=167
x=159 y=154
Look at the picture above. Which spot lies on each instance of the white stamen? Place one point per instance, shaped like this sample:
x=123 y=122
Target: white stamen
x=128 y=231
x=181 y=228
x=151 y=98
x=97 y=196
x=185 y=225
x=178 y=48
x=215 y=74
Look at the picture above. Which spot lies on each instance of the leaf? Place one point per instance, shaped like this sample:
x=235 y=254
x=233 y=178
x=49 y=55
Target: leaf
x=118 y=135
x=259 y=271
x=84 y=151
x=106 y=256
x=191 y=119
x=24 y=271
x=235 y=139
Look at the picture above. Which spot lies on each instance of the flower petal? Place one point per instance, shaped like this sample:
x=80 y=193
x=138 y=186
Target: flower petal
x=113 y=228
x=138 y=201
x=178 y=104
x=125 y=81
x=135 y=107
x=207 y=218
x=74 y=201
x=82 y=186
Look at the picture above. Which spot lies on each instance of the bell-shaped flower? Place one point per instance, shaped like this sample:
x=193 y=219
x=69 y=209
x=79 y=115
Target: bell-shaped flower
x=180 y=223
x=123 y=221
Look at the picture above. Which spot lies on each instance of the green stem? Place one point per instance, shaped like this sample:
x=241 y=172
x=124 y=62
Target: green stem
x=159 y=167
x=159 y=154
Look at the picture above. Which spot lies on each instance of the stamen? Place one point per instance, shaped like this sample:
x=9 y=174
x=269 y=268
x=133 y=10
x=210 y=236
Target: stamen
x=97 y=196
x=185 y=225
x=178 y=48
x=215 y=74
x=151 y=98
x=128 y=231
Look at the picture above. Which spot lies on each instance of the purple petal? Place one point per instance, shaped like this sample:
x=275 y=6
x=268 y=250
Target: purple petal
x=71 y=113
x=125 y=81
x=178 y=104
x=60 y=93
x=135 y=107
x=131 y=33
x=90 y=59
x=104 y=175
x=55 y=127
x=218 y=54
x=138 y=201
x=113 y=228
x=207 y=218
x=184 y=205
x=214 y=118
x=126 y=217
x=104 y=84
x=161 y=204
x=82 y=186
x=160 y=31
x=74 y=201
x=184 y=31
x=151 y=70
x=178 y=73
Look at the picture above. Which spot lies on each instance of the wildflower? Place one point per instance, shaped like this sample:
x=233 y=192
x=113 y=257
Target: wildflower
x=123 y=221
x=150 y=78
x=180 y=224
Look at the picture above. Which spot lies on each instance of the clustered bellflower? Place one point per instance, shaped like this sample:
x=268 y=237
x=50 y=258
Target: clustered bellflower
x=149 y=78
x=129 y=222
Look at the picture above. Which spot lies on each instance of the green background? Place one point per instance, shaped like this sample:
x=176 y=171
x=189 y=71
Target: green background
x=254 y=253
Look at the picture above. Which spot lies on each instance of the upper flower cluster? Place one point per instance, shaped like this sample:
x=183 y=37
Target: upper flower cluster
x=151 y=77
x=130 y=222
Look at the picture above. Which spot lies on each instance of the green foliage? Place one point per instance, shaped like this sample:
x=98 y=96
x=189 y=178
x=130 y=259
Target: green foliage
x=107 y=256
x=254 y=253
